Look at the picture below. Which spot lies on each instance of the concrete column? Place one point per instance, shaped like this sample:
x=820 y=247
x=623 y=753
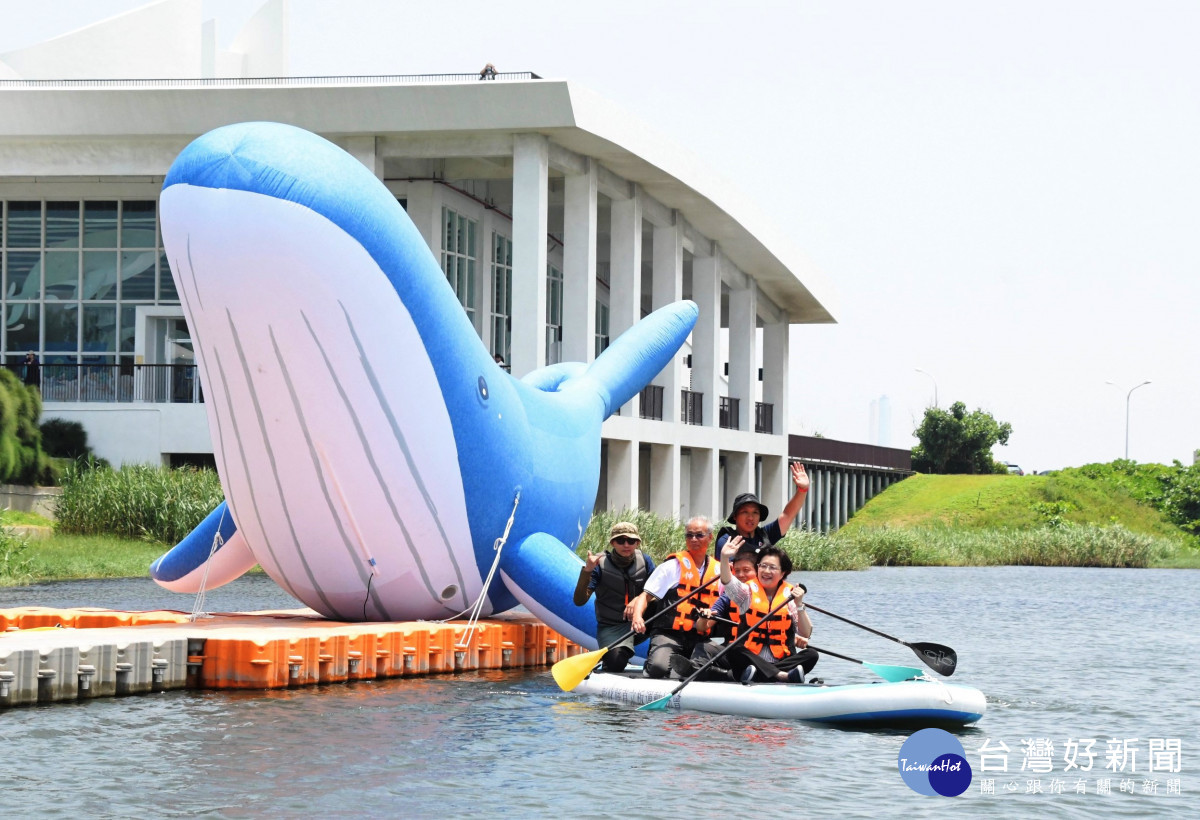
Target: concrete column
x=363 y=150
x=531 y=164
x=844 y=511
x=579 y=266
x=664 y=480
x=739 y=474
x=809 y=500
x=667 y=287
x=705 y=484
x=485 y=276
x=425 y=210
x=775 y=374
x=774 y=478
x=706 y=336
x=743 y=367
x=622 y=475
x=827 y=501
x=625 y=272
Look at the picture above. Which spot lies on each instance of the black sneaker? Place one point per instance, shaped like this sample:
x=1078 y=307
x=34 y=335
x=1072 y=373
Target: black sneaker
x=682 y=667
x=796 y=675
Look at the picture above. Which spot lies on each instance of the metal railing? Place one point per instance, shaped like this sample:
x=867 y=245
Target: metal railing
x=764 y=417
x=652 y=402
x=730 y=413
x=692 y=407
x=116 y=383
x=272 y=82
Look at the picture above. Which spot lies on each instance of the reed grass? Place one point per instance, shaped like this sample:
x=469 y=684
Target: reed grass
x=660 y=536
x=16 y=565
x=136 y=502
x=1060 y=545
x=1065 y=545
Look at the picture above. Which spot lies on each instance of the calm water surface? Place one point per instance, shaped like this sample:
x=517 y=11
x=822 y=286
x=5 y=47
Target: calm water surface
x=1061 y=654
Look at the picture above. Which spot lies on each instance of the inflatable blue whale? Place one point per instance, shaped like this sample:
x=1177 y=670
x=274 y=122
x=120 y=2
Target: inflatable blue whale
x=374 y=457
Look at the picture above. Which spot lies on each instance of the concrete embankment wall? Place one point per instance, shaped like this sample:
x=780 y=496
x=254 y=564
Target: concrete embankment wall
x=50 y=655
x=40 y=500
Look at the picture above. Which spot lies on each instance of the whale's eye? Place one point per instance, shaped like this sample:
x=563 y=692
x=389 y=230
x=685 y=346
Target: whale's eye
x=483 y=389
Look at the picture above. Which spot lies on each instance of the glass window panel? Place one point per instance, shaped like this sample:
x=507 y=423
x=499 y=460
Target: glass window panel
x=137 y=224
x=22 y=327
x=100 y=328
x=471 y=282
x=62 y=274
x=100 y=275
x=447 y=229
x=137 y=276
x=471 y=239
x=62 y=224
x=62 y=326
x=100 y=224
x=24 y=225
x=128 y=332
x=166 y=283
x=24 y=275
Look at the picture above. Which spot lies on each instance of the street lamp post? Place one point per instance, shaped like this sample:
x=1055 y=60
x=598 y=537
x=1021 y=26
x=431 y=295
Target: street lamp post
x=932 y=379
x=1127 y=398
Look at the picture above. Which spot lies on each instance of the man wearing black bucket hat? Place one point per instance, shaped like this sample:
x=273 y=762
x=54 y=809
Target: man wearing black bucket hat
x=749 y=513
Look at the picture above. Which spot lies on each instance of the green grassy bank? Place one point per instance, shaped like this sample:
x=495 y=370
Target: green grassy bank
x=1055 y=520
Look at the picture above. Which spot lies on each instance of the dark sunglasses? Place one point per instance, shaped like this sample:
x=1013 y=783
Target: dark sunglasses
x=695 y=535
x=621 y=541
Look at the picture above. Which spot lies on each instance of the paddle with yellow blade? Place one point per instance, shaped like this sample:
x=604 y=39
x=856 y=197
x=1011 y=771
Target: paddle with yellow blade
x=570 y=672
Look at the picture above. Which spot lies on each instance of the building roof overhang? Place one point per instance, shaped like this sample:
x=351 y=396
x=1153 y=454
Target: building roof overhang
x=171 y=113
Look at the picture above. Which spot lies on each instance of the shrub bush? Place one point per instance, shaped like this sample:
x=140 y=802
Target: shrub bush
x=145 y=502
x=21 y=458
x=64 y=439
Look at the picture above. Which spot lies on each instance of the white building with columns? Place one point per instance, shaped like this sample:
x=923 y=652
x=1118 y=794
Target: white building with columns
x=558 y=218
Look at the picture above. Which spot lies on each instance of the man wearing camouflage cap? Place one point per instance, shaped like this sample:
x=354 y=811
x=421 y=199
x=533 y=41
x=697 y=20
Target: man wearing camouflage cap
x=617 y=577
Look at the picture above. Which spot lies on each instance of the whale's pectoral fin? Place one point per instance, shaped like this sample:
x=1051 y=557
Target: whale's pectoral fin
x=182 y=568
x=638 y=355
x=551 y=377
x=542 y=573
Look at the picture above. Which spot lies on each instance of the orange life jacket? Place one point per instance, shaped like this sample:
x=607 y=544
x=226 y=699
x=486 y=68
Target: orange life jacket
x=734 y=614
x=689 y=579
x=776 y=632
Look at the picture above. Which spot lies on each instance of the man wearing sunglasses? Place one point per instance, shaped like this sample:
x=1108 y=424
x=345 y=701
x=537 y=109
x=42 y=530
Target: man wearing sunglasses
x=617 y=577
x=675 y=579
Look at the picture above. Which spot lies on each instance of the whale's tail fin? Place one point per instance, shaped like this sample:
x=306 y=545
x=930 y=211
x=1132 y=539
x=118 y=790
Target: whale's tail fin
x=637 y=355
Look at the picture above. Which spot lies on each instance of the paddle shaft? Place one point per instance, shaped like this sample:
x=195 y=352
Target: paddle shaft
x=810 y=646
x=940 y=658
x=738 y=641
x=855 y=623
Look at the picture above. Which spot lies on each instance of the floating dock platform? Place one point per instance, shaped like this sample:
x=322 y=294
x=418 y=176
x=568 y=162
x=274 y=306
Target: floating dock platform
x=50 y=655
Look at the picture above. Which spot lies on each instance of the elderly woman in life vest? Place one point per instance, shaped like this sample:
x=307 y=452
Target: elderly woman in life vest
x=776 y=650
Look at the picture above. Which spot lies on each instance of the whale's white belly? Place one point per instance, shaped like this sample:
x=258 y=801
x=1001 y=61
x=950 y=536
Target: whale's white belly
x=331 y=436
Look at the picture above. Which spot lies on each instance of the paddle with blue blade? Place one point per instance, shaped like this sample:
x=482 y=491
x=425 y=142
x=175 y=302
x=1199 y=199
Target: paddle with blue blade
x=570 y=672
x=891 y=674
x=662 y=703
x=939 y=658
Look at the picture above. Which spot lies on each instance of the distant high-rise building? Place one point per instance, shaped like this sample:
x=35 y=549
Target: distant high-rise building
x=880 y=424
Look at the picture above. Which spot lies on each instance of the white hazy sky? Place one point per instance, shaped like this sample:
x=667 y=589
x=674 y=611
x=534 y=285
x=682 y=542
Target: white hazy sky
x=1005 y=195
